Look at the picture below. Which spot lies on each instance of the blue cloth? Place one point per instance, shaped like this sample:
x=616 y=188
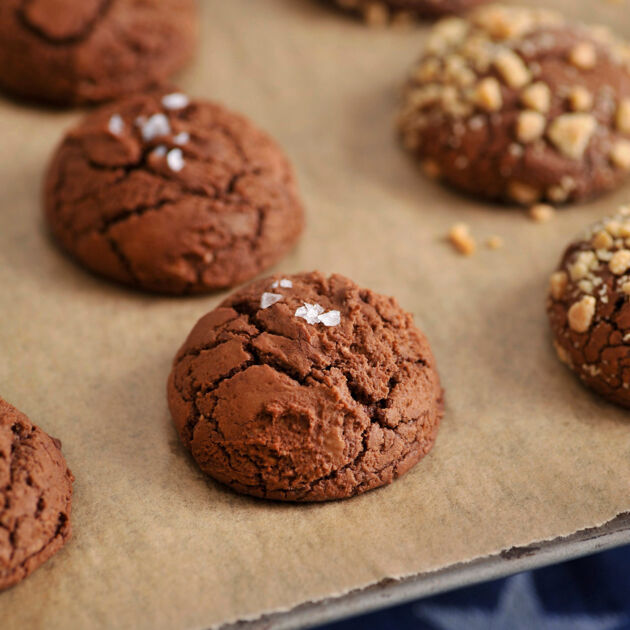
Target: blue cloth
x=591 y=593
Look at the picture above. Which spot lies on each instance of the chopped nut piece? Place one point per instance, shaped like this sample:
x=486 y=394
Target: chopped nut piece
x=613 y=227
x=542 y=213
x=504 y=22
x=625 y=287
x=620 y=262
x=428 y=70
x=563 y=355
x=557 y=194
x=586 y=286
x=523 y=193
x=557 y=284
x=488 y=94
x=494 y=242
x=620 y=154
x=530 y=126
x=512 y=68
x=585 y=262
x=623 y=116
x=583 y=56
x=581 y=314
x=537 y=96
x=446 y=34
x=460 y=237
x=580 y=99
x=571 y=133
x=602 y=240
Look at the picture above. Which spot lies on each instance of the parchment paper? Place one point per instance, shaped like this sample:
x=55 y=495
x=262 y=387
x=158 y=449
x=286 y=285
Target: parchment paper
x=524 y=454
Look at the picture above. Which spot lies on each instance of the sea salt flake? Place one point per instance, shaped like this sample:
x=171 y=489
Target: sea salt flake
x=310 y=312
x=331 y=318
x=268 y=299
x=175 y=160
x=283 y=283
x=176 y=100
x=159 y=151
x=116 y=125
x=181 y=138
x=154 y=127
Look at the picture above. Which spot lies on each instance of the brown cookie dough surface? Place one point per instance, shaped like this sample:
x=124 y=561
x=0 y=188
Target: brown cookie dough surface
x=520 y=105
x=589 y=307
x=35 y=496
x=306 y=388
x=383 y=11
x=80 y=51
x=172 y=195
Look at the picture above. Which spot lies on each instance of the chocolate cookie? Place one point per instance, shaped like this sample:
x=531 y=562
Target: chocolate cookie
x=35 y=496
x=589 y=307
x=520 y=105
x=172 y=195
x=80 y=51
x=306 y=388
x=382 y=11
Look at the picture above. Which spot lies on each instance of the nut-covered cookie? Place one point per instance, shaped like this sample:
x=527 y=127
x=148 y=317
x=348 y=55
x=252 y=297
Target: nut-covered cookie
x=383 y=11
x=520 y=105
x=589 y=307
x=35 y=496
x=79 y=51
x=306 y=388
x=172 y=195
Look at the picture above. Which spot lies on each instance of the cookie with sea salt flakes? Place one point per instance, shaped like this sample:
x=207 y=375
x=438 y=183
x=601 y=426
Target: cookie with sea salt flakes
x=383 y=11
x=35 y=496
x=84 y=51
x=172 y=195
x=520 y=105
x=306 y=388
x=589 y=307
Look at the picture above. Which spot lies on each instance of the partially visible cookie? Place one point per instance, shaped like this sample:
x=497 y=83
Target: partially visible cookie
x=172 y=195
x=589 y=307
x=35 y=496
x=520 y=105
x=383 y=11
x=82 y=51
x=306 y=388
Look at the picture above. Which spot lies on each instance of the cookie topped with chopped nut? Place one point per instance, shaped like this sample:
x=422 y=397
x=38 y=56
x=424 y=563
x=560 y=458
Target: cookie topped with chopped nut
x=306 y=388
x=589 y=307
x=173 y=195
x=520 y=105
x=379 y=12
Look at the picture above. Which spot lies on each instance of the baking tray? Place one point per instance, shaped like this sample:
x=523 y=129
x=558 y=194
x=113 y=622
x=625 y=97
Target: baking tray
x=524 y=454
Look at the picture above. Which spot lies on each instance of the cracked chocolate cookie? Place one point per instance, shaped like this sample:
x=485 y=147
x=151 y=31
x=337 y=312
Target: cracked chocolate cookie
x=520 y=105
x=80 y=51
x=589 y=307
x=35 y=496
x=379 y=12
x=306 y=388
x=171 y=195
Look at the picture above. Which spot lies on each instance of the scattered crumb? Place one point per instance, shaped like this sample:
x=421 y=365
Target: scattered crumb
x=541 y=212
x=494 y=242
x=460 y=237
